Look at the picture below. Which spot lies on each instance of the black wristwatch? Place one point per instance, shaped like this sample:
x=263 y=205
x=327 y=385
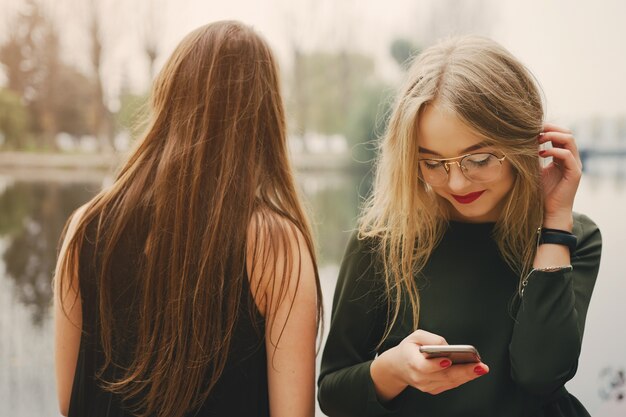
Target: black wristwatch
x=558 y=237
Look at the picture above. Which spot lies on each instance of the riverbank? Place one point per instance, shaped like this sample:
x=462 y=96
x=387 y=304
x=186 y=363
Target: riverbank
x=58 y=160
x=57 y=167
x=32 y=166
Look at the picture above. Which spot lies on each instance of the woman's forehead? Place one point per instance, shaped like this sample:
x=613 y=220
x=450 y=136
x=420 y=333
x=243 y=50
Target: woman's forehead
x=441 y=132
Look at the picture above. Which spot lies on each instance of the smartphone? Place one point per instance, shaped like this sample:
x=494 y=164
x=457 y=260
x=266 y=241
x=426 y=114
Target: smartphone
x=456 y=353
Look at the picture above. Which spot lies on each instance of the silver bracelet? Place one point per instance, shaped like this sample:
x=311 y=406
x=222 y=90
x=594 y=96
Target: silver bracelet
x=524 y=283
x=565 y=268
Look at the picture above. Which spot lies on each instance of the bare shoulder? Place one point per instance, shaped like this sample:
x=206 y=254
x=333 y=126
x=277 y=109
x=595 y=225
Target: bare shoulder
x=69 y=231
x=276 y=234
x=279 y=258
x=73 y=222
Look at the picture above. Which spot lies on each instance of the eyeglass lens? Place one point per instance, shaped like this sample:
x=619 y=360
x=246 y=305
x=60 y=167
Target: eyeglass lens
x=479 y=167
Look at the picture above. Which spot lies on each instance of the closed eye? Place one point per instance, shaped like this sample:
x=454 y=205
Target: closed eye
x=430 y=164
x=480 y=160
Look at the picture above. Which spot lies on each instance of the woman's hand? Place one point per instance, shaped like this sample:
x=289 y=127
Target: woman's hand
x=404 y=365
x=561 y=177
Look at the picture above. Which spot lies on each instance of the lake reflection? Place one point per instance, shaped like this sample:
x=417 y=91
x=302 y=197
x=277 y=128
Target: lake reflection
x=32 y=216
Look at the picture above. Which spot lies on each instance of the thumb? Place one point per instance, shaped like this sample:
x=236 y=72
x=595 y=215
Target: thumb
x=422 y=337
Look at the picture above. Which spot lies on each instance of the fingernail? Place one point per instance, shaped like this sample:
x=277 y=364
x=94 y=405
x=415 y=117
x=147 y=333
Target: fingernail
x=479 y=370
x=445 y=363
x=542 y=152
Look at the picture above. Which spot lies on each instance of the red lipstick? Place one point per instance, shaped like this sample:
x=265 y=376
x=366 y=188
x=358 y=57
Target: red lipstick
x=468 y=198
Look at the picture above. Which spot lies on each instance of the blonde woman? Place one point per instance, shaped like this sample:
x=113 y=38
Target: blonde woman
x=189 y=287
x=467 y=240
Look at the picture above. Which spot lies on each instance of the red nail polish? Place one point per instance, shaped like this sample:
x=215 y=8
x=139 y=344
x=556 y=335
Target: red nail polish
x=445 y=363
x=479 y=370
x=542 y=152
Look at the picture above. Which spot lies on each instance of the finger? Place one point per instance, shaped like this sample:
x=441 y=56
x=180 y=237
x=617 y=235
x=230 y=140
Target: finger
x=422 y=337
x=565 y=158
x=453 y=377
x=549 y=127
x=460 y=374
x=560 y=140
x=433 y=365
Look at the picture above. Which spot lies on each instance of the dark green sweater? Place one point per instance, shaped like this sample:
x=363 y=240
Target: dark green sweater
x=467 y=295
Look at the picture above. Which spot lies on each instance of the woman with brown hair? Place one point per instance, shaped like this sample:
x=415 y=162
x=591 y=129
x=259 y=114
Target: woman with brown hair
x=189 y=287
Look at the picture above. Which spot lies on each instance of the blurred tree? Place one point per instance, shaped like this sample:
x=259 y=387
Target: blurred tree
x=334 y=211
x=327 y=87
x=16 y=53
x=340 y=93
x=151 y=28
x=14 y=121
x=73 y=99
x=102 y=117
x=402 y=50
x=151 y=49
x=442 y=18
x=132 y=115
x=55 y=94
x=367 y=120
x=31 y=58
x=298 y=93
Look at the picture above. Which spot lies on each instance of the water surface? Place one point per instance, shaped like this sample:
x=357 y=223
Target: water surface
x=33 y=212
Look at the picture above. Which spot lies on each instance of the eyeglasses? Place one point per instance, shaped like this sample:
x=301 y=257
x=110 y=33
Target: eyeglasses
x=476 y=167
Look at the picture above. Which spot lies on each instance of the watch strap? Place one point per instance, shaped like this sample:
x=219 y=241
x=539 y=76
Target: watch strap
x=558 y=237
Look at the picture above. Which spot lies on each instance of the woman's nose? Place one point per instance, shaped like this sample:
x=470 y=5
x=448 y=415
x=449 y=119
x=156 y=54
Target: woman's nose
x=456 y=179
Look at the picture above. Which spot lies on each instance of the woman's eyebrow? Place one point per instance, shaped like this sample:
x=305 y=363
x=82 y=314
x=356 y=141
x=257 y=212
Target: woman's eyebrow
x=468 y=149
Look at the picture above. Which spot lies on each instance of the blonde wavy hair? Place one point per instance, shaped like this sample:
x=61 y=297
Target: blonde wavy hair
x=497 y=97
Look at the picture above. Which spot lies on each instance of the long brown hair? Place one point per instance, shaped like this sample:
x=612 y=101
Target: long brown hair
x=213 y=159
x=494 y=94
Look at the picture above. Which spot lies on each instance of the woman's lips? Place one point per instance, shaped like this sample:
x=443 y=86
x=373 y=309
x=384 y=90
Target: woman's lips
x=468 y=198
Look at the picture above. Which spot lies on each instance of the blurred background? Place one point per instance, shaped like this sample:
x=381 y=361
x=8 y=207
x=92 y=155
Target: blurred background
x=74 y=76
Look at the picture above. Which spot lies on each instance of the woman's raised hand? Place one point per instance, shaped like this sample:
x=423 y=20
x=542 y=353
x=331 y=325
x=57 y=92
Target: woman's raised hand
x=404 y=365
x=561 y=177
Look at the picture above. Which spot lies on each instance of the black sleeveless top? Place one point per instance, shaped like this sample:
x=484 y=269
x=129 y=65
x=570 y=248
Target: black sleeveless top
x=242 y=389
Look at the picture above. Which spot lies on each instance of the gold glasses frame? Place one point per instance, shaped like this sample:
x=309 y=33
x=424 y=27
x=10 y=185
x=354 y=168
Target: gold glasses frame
x=458 y=160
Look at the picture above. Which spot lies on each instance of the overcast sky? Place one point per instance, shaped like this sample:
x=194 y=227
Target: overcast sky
x=576 y=48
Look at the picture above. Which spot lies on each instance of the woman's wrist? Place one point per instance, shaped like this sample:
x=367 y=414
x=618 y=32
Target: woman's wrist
x=561 y=221
x=386 y=384
x=550 y=255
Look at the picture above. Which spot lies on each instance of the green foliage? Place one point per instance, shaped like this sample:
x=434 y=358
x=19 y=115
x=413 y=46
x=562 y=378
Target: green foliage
x=402 y=50
x=72 y=107
x=334 y=211
x=367 y=120
x=133 y=114
x=31 y=59
x=324 y=87
x=340 y=93
x=14 y=121
x=55 y=96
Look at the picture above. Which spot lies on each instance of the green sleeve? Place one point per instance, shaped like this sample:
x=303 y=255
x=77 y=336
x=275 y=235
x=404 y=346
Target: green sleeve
x=547 y=335
x=345 y=384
